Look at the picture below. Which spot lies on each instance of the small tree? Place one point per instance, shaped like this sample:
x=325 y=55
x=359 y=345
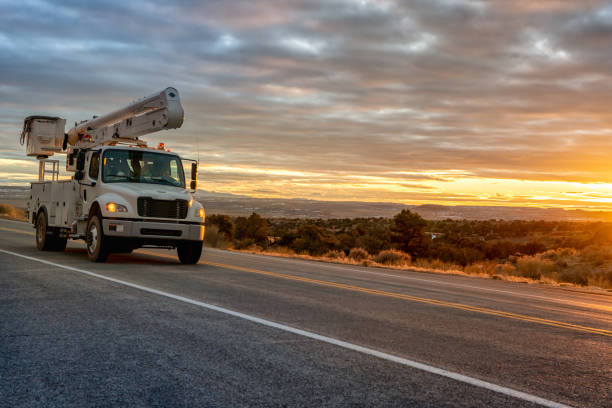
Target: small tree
x=254 y=228
x=408 y=232
x=314 y=240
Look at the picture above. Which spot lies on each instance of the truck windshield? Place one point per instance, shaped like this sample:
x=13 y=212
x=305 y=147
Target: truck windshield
x=141 y=166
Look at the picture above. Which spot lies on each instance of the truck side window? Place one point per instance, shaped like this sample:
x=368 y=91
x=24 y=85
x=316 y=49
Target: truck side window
x=94 y=165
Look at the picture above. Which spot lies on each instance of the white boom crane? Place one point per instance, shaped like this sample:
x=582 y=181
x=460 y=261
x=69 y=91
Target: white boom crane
x=45 y=134
x=161 y=110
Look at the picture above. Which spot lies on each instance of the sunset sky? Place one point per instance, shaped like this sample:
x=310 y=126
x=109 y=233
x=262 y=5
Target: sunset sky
x=432 y=101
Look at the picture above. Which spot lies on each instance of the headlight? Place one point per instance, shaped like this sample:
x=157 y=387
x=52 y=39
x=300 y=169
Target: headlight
x=202 y=213
x=113 y=207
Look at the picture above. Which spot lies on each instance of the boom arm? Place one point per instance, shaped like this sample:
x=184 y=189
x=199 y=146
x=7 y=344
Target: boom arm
x=159 y=111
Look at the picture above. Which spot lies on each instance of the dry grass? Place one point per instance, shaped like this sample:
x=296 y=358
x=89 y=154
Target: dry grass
x=589 y=267
x=10 y=212
x=392 y=257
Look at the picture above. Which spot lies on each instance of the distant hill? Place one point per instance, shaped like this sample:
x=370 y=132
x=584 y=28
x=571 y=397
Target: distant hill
x=231 y=204
x=216 y=203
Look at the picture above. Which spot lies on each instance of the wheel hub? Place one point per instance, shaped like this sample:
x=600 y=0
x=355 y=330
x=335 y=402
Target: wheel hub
x=40 y=231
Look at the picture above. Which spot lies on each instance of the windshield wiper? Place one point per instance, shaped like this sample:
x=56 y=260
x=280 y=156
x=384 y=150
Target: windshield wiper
x=166 y=181
x=117 y=176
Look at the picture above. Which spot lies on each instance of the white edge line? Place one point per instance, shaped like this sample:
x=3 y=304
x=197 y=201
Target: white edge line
x=330 y=340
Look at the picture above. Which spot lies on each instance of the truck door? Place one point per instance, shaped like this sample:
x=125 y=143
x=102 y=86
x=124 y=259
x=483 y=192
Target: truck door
x=93 y=174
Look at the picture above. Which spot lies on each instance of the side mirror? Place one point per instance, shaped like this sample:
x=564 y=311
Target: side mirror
x=194 y=176
x=80 y=164
x=194 y=171
x=78 y=175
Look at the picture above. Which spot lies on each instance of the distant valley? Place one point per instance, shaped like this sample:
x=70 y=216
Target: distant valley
x=221 y=203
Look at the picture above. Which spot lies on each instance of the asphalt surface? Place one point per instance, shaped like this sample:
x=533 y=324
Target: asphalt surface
x=72 y=339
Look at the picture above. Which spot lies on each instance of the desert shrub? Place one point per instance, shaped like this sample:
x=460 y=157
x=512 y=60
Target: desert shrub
x=559 y=255
x=246 y=243
x=313 y=240
x=485 y=267
x=392 y=257
x=505 y=269
x=577 y=276
x=211 y=235
x=597 y=255
x=224 y=224
x=601 y=278
x=534 y=267
x=436 y=264
x=281 y=250
x=334 y=254
x=214 y=238
x=254 y=228
x=358 y=254
x=12 y=212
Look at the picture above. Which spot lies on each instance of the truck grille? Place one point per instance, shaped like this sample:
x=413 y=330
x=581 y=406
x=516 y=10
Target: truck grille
x=148 y=207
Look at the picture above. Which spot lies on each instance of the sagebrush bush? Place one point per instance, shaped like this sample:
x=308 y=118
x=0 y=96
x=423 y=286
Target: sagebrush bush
x=248 y=244
x=484 y=268
x=534 y=267
x=596 y=255
x=334 y=254
x=214 y=239
x=282 y=250
x=392 y=257
x=436 y=264
x=12 y=212
x=358 y=254
x=505 y=269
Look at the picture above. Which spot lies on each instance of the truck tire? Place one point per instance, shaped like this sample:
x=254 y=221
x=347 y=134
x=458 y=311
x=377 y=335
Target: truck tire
x=97 y=243
x=189 y=252
x=47 y=238
x=43 y=240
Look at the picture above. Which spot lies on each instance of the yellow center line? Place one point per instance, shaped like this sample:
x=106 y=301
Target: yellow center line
x=441 y=303
x=17 y=231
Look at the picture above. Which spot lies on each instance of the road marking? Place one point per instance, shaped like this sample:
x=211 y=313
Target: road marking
x=330 y=340
x=441 y=303
x=345 y=268
x=17 y=231
x=453 y=305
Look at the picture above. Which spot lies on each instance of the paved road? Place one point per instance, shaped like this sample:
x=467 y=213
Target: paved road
x=249 y=330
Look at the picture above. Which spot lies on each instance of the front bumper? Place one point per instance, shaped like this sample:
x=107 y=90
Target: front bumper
x=152 y=229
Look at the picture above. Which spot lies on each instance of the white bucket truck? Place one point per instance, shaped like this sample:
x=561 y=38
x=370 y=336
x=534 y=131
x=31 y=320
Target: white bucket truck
x=123 y=195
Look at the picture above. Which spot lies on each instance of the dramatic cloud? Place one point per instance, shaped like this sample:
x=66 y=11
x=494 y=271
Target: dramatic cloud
x=446 y=101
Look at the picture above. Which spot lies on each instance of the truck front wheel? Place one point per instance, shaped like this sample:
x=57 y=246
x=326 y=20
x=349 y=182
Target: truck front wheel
x=189 y=252
x=97 y=244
